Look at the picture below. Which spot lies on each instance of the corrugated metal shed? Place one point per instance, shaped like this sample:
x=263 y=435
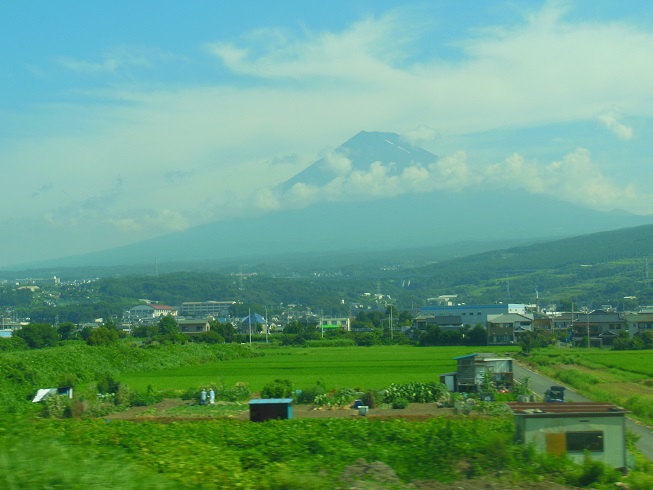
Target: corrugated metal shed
x=262 y=409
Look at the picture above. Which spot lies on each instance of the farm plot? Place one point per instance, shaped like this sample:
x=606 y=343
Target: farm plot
x=338 y=367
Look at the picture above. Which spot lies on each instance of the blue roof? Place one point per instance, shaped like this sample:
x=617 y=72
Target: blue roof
x=254 y=318
x=263 y=401
x=465 y=357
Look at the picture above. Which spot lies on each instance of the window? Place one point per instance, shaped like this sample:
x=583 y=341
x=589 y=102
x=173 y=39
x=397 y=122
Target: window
x=578 y=442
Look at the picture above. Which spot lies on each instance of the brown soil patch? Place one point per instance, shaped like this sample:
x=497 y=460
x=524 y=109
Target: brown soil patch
x=414 y=411
x=156 y=410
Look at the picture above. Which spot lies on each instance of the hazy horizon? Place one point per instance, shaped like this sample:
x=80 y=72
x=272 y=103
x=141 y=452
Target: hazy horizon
x=123 y=122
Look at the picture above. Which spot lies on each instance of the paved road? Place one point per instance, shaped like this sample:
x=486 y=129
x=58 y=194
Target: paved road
x=539 y=384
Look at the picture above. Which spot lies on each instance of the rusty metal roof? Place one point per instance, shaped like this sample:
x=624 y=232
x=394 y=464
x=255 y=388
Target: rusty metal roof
x=565 y=408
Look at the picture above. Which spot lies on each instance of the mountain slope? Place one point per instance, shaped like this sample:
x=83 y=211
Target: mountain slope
x=599 y=268
x=361 y=152
x=405 y=221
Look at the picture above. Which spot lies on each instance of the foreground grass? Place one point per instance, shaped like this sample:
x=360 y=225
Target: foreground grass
x=277 y=454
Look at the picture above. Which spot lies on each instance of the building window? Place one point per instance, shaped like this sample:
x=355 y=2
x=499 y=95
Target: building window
x=578 y=442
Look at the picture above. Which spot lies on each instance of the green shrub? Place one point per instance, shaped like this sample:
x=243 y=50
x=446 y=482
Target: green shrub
x=416 y=392
x=279 y=388
x=400 y=402
x=592 y=472
x=151 y=397
x=307 y=395
x=107 y=385
x=238 y=393
x=13 y=343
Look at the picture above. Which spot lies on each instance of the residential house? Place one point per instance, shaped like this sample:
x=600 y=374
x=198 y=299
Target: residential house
x=599 y=327
x=545 y=324
x=638 y=323
x=193 y=327
x=505 y=329
x=445 y=322
x=253 y=323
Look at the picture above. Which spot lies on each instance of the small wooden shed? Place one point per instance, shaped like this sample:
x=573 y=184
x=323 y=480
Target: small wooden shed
x=573 y=429
x=262 y=409
x=472 y=370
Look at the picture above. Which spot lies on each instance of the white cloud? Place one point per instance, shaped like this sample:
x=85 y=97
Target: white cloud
x=574 y=178
x=118 y=58
x=421 y=135
x=360 y=53
x=338 y=163
x=611 y=121
x=210 y=150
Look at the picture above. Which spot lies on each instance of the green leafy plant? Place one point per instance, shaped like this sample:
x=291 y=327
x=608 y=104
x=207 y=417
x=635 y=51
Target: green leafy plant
x=279 y=388
x=400 y=402
x=416 y=392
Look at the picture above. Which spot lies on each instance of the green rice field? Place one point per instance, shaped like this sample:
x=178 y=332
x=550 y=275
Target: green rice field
x=337 y=367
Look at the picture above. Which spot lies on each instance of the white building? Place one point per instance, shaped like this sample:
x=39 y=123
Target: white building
x=142 y=312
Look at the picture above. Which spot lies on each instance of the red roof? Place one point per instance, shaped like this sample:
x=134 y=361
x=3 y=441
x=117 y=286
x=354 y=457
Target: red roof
x=162 y=307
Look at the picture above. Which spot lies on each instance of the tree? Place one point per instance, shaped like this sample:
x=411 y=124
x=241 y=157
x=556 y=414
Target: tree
x=565 y=304
x=210 y=337
x=38 y=335
x=432 y=335
x=146 y=331
x=226 y=330
x=647 y=339
x=622 y=342
x=102 y=336
x=168 y=325
x=67 y=331
x=476 y=336
x=532 y=340
x=294 y=327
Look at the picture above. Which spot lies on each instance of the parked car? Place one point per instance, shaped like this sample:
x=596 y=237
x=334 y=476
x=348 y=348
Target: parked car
x=555 y=394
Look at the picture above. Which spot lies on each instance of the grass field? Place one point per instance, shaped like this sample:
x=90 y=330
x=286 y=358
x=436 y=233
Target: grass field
x=338 y=367
x=621 y=377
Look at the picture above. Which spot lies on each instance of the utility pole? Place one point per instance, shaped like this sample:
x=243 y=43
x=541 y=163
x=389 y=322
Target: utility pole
x=587 y=318
x=267 y=325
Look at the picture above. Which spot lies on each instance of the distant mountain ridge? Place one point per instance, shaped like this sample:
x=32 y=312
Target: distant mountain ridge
x=406 y=221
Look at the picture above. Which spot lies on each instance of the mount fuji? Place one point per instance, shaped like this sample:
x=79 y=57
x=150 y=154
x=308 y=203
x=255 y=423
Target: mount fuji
x=366 y=222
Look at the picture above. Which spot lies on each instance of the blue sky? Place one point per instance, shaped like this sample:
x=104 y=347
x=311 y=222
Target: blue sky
x=121 y=121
